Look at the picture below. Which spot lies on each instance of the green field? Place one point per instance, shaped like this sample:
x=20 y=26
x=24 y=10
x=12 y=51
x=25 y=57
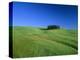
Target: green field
x=33 y=42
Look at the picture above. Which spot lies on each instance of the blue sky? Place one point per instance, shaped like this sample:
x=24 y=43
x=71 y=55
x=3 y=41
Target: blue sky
x=42 y=15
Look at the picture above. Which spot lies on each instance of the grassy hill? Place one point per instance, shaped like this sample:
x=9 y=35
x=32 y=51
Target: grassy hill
x=33 y=42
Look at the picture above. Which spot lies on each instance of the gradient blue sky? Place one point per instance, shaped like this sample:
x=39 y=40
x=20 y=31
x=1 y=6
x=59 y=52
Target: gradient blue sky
x=42 y=15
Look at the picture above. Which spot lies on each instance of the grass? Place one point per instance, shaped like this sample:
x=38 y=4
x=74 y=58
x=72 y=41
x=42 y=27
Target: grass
x=34 y=42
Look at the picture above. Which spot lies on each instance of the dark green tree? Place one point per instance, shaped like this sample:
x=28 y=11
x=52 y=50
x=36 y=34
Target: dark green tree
x=53 y=27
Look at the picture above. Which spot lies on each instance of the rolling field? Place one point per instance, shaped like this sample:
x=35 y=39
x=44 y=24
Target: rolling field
x=33 y=42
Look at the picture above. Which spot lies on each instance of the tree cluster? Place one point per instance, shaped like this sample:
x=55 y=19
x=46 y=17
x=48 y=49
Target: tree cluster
x=53 y=27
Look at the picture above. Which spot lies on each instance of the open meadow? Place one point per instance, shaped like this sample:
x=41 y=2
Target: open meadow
x=36 y=42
